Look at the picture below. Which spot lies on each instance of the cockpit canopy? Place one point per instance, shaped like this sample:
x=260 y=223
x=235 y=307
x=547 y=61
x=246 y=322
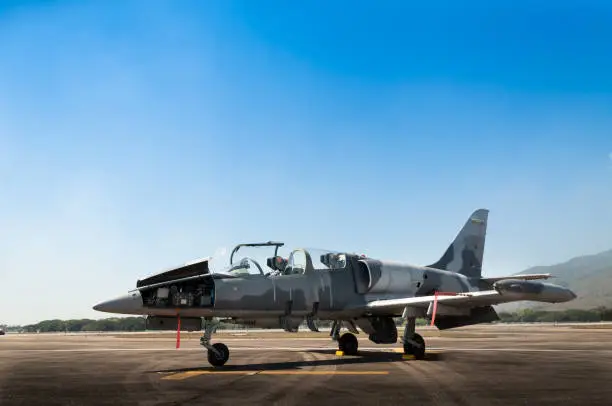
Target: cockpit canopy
x=255 y=259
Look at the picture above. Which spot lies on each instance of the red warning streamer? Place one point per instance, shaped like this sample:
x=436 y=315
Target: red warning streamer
x=435 y=308
x=435 y=303
x=178 y=332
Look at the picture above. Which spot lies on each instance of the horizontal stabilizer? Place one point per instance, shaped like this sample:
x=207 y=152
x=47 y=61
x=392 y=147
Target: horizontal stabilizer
x=526 y=277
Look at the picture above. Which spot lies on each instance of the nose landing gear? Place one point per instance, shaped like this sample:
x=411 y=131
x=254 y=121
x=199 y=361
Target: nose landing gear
x=218 y=353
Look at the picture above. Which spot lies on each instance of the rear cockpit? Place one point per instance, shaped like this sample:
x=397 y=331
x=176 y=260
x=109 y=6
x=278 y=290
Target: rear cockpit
x=307 y=260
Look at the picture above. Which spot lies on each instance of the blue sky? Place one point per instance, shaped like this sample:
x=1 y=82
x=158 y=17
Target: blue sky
x=135 y=136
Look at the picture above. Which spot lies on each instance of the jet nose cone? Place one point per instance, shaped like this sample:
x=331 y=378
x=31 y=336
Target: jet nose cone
x=126 y=304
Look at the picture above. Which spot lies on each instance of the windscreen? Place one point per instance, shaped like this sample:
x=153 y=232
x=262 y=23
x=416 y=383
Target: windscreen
x=246 y=259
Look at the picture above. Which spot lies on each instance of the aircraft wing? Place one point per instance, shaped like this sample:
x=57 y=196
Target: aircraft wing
x=467 y=299
x=507 y=290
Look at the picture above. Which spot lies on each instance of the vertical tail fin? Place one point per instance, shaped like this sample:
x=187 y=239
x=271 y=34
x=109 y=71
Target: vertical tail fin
x=465 y=253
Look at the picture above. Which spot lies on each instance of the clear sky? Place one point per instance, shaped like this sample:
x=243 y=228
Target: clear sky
x=135 y=136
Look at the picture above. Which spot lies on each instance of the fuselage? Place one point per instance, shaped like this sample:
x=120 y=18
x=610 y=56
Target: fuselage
x=324 y=293
x=341 y=293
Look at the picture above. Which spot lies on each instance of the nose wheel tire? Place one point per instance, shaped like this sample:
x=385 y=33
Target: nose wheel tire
x=220 y=356
x=416 y=347
x=348 y=344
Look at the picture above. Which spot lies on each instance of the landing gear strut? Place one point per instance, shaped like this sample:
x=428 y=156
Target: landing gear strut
x=335 y=330
x=413 y=342
x=218 y=353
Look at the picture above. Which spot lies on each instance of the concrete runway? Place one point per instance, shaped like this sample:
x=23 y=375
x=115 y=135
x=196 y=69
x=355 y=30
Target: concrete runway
x=485 y=365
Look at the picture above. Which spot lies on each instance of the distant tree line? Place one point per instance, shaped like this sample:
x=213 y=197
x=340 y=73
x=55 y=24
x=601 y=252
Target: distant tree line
x=564 y=316
x=138 y=323
x=110 y=324
x=121 y=324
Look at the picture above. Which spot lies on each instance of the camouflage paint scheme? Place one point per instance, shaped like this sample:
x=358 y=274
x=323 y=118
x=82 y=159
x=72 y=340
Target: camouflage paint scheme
x=361 y=291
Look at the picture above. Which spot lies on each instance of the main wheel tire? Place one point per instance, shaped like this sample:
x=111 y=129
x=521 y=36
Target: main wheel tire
x=348 y=344
x=417 y=350
x=221 y=358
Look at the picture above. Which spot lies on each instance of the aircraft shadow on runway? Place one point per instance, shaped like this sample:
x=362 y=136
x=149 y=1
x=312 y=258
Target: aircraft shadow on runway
x=364 y=357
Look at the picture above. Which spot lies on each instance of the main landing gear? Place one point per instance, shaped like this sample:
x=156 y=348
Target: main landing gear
x=218 y=353
x=413 y=342
x=347 y=343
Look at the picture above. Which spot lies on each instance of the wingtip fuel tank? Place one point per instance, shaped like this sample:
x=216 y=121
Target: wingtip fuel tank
x=534 y=290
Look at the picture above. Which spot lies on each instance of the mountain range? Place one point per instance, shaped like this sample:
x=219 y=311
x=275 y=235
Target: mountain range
x=589 y=276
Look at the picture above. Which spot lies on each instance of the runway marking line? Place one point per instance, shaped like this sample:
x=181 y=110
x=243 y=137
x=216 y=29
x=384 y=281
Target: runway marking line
x=432 y=351
x=189 y=374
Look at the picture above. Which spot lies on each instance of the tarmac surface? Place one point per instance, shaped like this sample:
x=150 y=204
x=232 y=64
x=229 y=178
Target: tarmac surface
x=484 y=365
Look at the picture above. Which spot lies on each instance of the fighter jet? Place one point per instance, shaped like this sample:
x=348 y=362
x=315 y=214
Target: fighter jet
x=350 y=290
